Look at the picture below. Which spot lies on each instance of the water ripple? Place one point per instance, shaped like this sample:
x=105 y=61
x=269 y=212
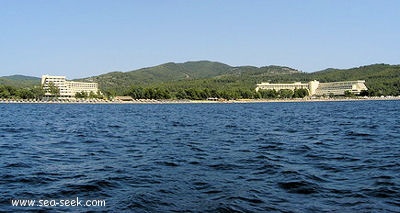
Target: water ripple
x=271 y=157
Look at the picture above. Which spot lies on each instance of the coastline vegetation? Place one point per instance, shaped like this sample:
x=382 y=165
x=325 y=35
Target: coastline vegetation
x=240 y=82
x=203 y=80
x=38 y=93
x=10 y=92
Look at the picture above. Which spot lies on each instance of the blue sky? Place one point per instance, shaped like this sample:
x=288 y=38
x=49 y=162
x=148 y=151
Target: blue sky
x=82 y=38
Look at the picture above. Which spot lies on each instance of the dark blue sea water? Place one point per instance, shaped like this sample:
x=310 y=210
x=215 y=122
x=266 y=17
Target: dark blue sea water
x=263 y=157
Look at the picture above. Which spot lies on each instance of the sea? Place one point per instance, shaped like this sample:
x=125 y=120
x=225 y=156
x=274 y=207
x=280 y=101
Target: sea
x=341 y=156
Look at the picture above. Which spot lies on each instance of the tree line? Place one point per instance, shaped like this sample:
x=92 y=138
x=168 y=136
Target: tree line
x=196 y=90
x=205 y=93
x=38 y=93
x=10 y=92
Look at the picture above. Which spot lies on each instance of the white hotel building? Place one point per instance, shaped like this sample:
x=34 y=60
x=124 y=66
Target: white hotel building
x=315 y=88
x=68 y=89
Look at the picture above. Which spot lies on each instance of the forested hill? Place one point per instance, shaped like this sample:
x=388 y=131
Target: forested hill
x=178 y=72
x=173 y=78
x=19 y=81
x=381 y=79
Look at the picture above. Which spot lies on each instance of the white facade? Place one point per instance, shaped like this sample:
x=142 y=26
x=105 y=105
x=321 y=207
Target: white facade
x=319 y=89
x=68 y=89
x=339 y=88
x=277 y=87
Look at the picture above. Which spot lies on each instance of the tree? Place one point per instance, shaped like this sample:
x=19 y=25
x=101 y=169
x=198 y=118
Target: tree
x=300 y=93
x=24 y=93
x=135 y=92
x=38 y=92
x=245 y=93
x=285 y=93
x=192 y=94
x=82 y=94
x=92 y=95
x=348 y=93
x=5 y=91
x=53 y=89
x=257 y=95
x=364 y=93
x=99 y=95
x=148 y=93
x=181 y=94
x=268 y=93
x=206 y=93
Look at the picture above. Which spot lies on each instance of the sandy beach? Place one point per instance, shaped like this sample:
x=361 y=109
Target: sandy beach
x=151 y=101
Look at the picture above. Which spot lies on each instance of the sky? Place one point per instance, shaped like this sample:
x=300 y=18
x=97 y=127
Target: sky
x=83 y=38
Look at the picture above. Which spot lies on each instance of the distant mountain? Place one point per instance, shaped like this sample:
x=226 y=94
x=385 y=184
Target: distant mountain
x=368 y=73
x=19 y=81
x=381 y=79
x=173 y=72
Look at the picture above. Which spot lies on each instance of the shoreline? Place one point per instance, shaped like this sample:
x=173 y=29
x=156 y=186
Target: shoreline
x=152 y=101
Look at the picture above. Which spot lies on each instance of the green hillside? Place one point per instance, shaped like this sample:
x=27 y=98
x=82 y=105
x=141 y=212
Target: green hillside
x=240 y=82
x=19 y=81
x=381 y=79
x=172 y=78
x=20 y=87
x=180 y=73
x=202 y=79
